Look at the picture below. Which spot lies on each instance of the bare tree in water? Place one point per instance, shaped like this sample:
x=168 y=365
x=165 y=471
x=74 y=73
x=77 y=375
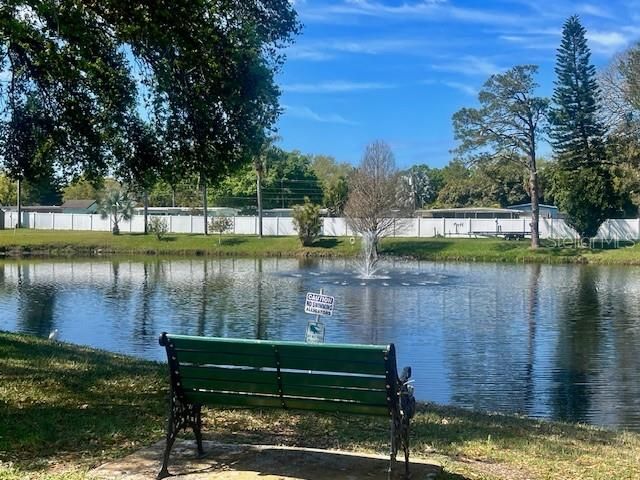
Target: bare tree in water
x=372 y=207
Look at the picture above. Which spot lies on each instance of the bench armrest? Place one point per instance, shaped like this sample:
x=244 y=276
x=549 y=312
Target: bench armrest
x=405 y=375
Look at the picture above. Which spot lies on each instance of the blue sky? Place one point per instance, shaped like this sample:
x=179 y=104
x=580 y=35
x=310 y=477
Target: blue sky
x=397 y=70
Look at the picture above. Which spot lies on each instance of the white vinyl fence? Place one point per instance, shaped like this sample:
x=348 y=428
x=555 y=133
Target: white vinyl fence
x=619 y=229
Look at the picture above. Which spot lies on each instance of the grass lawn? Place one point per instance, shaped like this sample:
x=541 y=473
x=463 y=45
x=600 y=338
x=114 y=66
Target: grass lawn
x=65 y=409
x=73 y=243
x=67 y=243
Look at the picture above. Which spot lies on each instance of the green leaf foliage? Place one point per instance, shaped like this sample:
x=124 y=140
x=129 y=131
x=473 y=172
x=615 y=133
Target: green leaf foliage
x=118 y=206
x=306 y=221
x=585 y=194
x=577 y=135
x=583 y=185
x=201 y=72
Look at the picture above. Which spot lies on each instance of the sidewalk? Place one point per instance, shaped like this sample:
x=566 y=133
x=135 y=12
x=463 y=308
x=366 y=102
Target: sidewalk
x=258 y=462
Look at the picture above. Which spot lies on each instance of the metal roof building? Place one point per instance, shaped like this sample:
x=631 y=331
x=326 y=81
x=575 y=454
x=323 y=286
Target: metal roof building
x=469 y=212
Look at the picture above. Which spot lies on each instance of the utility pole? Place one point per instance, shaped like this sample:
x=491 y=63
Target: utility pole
x=204 y=203
x=19 y=203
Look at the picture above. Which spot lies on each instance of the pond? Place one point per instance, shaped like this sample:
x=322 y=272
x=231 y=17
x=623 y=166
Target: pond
x=550 y=341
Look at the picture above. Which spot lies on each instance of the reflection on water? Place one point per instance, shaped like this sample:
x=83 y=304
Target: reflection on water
x=546 y=341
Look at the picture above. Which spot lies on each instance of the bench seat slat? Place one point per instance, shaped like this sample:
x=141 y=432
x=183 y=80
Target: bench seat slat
x=330 y=365
x=336 y=407
x=222 y=346
x=230 y=386
x=253 y=375
x=373 y=397
x=333 y=380
x=360 y=353
x=327 y=352
x=232 y=400
x=241 y=360
x=228 y=400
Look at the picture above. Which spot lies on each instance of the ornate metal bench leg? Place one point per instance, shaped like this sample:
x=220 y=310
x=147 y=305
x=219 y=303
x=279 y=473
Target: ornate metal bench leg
x=405 y=447
x=181 y=416
x=197 y=429
x=395 y=436
x=394 y=447
x=172 y=432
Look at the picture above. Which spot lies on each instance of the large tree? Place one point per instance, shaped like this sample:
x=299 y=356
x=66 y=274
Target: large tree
x=507 y=126
x=583 y=184
x=204 y=71
x=620 y=86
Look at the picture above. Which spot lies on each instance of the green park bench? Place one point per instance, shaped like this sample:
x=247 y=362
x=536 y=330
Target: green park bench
x=221 y=372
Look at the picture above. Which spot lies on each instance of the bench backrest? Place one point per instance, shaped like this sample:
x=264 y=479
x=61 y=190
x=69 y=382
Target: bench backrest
x=258 y=373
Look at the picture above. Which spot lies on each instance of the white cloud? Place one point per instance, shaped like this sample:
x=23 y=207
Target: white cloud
x=469 y=65
x=301 y=52
x=594 y=10
x=329 y=49
x=308 y=114
x=462 y=87
x=334 y=87
x=607 y=43
x=416 y=10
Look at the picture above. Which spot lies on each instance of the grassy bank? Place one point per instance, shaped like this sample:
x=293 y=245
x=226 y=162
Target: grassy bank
x=63 y=243
x=65 y=409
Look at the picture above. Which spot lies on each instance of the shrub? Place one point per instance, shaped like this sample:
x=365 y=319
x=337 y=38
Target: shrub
x=220 y=225
x=158 y=226
x=306 y=220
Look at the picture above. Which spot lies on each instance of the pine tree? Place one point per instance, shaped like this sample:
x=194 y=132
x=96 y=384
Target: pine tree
x=583 y=184
x=577 y=135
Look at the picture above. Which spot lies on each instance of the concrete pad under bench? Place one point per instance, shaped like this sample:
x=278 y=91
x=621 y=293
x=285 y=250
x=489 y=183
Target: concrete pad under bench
x=263 y=462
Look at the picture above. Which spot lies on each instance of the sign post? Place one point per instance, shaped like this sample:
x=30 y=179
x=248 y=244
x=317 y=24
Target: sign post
x=317 y=304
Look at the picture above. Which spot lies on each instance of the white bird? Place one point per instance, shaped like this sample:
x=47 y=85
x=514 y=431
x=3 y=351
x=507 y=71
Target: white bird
x=53 y=336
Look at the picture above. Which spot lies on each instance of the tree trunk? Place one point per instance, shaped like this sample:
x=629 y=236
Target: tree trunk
x=19 y=203
x=145 y=200
x=205 y=204
x=173 y=196
x=535 y=207
x=259 y=194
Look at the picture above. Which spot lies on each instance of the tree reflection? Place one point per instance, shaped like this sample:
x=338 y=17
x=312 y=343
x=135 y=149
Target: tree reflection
x=532 y=314
x=577 y=349
x=152 y=274
x=490 y=341
x=36 y=304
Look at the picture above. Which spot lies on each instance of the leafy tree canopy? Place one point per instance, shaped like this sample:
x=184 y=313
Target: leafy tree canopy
x=203 y=72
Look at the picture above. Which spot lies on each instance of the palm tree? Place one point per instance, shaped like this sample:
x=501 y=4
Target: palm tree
x=117 y=206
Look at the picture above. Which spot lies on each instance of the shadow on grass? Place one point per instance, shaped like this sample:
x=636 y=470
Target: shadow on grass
x=59 y=398
x=232 y=241
x=476 y=249
x=325 y=243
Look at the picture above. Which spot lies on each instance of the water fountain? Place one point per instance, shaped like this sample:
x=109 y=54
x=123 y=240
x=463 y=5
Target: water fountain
x=369 y=260
x=370 y=270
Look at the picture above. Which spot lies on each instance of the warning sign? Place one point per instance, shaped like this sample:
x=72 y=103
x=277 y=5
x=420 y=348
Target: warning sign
x=319 y=304
x=315 y=333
